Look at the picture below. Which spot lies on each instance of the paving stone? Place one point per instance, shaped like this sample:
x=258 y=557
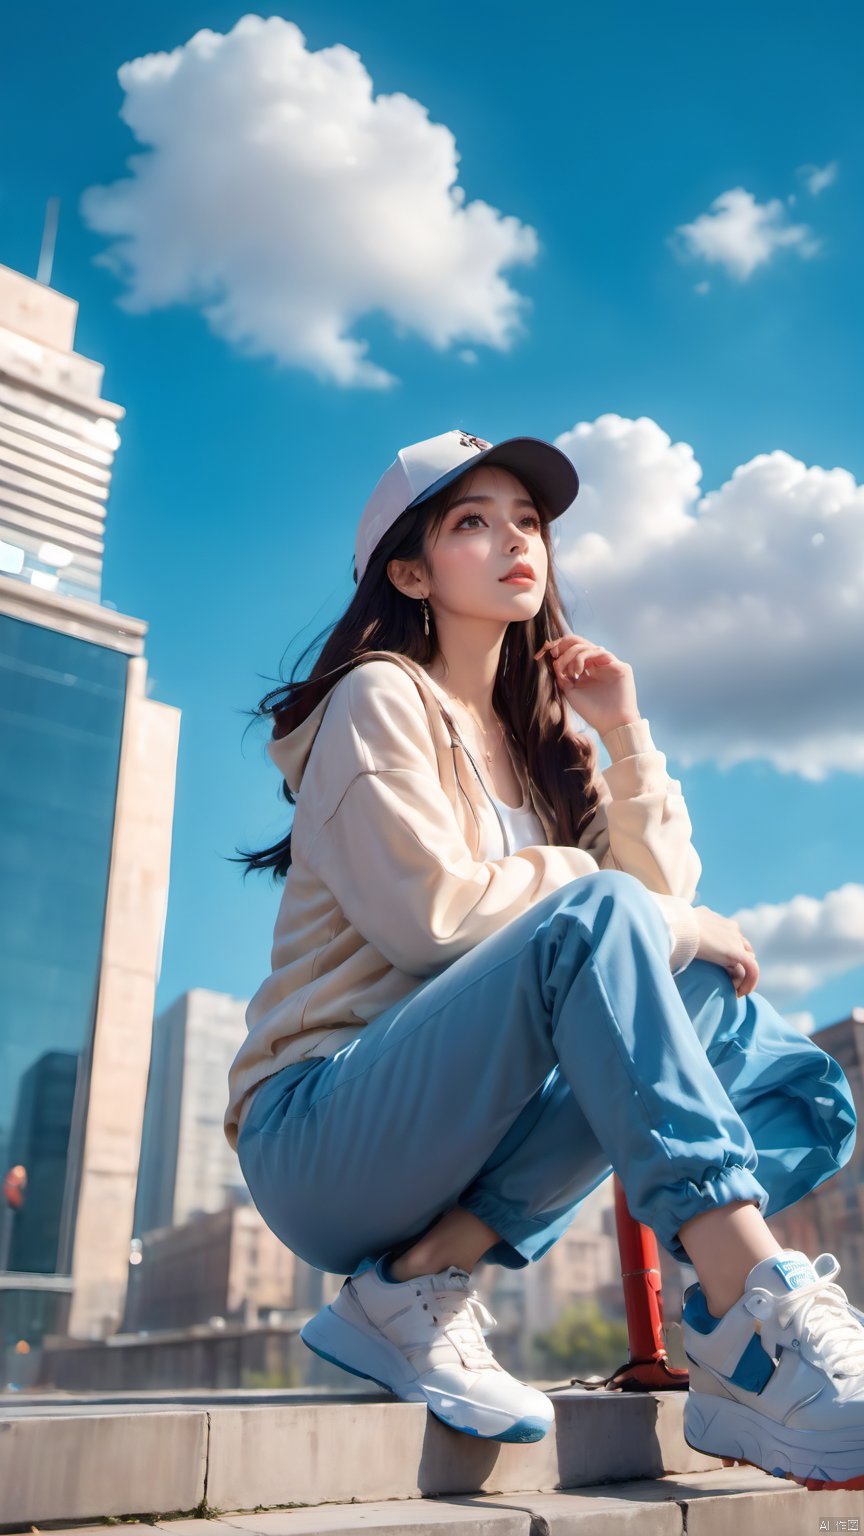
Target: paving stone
x=731 y=1501
x=420 y=1517
x=740 y=1500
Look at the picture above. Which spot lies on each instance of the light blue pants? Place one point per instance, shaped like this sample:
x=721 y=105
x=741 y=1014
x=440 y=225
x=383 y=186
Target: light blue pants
x=517 y=1078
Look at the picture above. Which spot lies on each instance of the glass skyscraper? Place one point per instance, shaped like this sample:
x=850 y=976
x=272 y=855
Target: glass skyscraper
x=87 y=767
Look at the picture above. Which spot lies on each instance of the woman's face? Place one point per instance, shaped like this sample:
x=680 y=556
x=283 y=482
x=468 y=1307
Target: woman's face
x=492 y=524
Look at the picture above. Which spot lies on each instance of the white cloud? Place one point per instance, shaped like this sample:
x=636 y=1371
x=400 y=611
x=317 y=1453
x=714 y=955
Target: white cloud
x=741 y=610
x=817 y=178
x=286 y=201
x=740 y=234
x=803 y=943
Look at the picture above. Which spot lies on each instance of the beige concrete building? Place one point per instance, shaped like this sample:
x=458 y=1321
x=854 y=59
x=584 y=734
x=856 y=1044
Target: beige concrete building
x=226 y=1265
x=86 y=802
x=187 y=1166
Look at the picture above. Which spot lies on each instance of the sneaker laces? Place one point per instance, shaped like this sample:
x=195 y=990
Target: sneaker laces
x=824 y=1319
x=461 y=1313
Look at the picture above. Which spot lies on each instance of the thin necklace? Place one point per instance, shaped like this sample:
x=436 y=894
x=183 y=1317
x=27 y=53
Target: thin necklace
x=488 y=755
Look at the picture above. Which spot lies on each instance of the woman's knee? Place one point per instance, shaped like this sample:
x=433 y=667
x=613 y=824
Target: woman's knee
x=706 y=982
x=716 y=1011
x=605 y=892
x=618 y=884
x=707 y=978
x=626 y=895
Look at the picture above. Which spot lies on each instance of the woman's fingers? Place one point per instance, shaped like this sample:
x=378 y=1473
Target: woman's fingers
x=579 y=662
x=555 y=646
x=721 y=940
x=575 y=661
x=745 y=975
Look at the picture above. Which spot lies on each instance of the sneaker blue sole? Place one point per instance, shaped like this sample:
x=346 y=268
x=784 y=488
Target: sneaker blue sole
x=735 y=1432
x=523 y=1432
x=333 y=1361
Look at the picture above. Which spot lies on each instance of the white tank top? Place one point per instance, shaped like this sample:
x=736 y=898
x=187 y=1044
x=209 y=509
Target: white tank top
x=523 y=826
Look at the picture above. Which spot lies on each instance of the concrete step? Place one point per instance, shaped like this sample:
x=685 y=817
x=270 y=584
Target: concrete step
x=738 y=1500
x=367 y=1458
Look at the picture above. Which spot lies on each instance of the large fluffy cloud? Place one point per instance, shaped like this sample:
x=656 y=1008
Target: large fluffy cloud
x=803 y=943
x=741 y=234
x=741 y=610
x=287 y=202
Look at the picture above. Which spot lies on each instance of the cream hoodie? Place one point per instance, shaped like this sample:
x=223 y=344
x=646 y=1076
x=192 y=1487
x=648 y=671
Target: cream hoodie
x=388 y=882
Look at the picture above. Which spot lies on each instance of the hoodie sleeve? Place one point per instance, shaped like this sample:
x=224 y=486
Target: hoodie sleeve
x=388 y=844
x=641 y=822
x=641 y=825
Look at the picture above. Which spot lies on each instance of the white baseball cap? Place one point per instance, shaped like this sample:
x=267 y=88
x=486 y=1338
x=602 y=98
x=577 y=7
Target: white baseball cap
x=420 y=470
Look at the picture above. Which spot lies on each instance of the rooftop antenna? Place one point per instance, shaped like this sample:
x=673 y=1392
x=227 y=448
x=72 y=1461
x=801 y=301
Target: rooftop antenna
x=49 y=237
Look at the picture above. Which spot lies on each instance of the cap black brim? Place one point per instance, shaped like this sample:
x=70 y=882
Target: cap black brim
x=547 y=469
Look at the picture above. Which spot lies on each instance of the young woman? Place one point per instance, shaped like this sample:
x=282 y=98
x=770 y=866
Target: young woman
x=490 y=988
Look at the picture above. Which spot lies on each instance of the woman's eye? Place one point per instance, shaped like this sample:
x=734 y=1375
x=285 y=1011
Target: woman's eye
x=469 y=516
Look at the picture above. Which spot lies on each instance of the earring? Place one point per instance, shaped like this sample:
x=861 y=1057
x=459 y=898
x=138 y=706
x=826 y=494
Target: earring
x=425 y=607
x=506 y=658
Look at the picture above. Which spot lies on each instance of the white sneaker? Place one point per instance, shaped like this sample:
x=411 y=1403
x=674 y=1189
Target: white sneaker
x=422 y=1340
x=778 y=1381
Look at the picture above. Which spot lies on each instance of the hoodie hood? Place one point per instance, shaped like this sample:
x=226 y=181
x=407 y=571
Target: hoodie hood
x=291 y=752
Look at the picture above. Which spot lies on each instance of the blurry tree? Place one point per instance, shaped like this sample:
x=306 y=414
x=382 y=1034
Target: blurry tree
x=583 y=1341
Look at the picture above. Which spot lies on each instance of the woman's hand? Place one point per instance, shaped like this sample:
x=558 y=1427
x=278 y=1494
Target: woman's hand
x=597 y=685
x=721 y=940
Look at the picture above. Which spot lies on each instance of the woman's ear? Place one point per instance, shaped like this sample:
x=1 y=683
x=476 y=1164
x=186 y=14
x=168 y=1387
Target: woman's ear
x=405 y=577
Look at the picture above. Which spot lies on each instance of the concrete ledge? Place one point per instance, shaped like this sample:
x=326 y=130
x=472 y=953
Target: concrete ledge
x=76 y=1463
x=76 y=1467
x=384 y=1449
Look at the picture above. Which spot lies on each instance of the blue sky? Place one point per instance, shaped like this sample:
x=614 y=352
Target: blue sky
x=597 y=137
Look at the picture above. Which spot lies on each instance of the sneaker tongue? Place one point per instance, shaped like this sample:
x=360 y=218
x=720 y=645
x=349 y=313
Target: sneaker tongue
x=454 y=1276
x=783 y=1272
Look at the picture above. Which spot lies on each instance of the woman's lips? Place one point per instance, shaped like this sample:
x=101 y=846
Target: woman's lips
x=526 y=581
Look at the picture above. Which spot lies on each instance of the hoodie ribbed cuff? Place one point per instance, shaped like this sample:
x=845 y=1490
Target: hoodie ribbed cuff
x=684 y=926
x=627 y=740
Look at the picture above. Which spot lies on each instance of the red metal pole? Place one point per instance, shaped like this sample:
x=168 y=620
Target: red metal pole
x=648 y=1367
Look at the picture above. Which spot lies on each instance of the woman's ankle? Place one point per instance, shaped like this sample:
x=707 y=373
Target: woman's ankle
x=723 y=1245
x=413 y=1263
x=427 y=1258
x=458 y=1237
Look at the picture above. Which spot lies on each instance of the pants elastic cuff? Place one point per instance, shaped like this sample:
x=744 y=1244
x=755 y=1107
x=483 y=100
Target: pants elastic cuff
x=720 y=1186
x=522 y=1241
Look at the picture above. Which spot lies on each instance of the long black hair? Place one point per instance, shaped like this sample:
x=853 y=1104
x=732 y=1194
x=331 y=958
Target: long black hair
x=381 y=618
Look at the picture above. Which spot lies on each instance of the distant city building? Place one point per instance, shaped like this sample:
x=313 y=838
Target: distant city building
x=87 y=772
x=187 y=1166
x=225 y=1265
